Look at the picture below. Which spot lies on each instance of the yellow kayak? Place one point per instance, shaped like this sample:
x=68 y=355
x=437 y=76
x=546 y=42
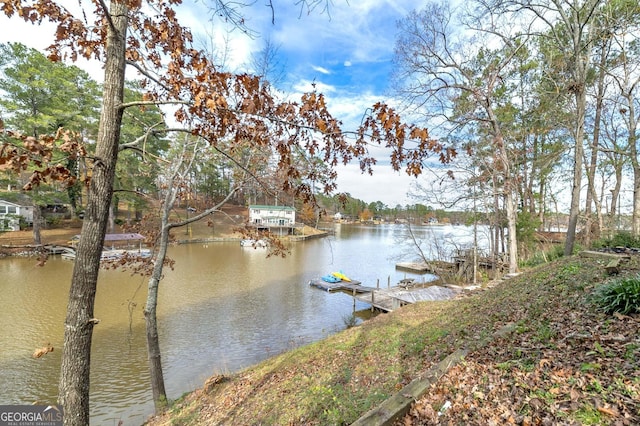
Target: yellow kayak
x=342 y=276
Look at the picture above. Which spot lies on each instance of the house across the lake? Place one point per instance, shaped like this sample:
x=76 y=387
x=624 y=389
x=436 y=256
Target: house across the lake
x=11 y=213
x=272 y=218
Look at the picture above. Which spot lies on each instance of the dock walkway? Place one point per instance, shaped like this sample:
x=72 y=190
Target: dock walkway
x=389 y=299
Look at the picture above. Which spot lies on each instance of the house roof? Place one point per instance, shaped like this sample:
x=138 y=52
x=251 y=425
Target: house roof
x=9 y=203
x=264 y=207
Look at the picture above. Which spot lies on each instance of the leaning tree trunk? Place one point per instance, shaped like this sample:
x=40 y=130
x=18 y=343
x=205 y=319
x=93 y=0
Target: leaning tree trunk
x=153 y=342
x=79 y=323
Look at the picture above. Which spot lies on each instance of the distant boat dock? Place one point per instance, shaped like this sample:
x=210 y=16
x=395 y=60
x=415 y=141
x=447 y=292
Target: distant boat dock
x=461 y=264
x=389 y=299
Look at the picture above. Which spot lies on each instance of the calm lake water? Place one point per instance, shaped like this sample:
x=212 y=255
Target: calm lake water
x=223 y=308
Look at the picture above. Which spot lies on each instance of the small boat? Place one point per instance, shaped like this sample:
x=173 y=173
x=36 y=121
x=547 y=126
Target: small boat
x=341 y=276
x=253 y=243
x=330 y=279
x=118 y=254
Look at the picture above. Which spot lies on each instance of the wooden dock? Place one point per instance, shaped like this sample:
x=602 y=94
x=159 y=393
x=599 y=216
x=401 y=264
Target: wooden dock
x=57 y=249
x=386 y=300
x=344 y=286
x=419 y=267
x=436 y=267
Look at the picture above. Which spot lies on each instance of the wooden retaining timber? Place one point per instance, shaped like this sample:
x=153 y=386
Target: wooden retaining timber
x=397 y=406
x=394 y=408
x=615 y=260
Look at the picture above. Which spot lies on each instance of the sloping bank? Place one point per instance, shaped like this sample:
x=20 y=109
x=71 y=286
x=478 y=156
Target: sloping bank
x=538 y=323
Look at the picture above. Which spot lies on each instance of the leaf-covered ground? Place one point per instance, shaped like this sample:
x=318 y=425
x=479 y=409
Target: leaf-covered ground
x=562 y=363
x=539 y=353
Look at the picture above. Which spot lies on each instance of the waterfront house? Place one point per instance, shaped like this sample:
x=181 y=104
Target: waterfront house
x=272 y=217
x=11 y=213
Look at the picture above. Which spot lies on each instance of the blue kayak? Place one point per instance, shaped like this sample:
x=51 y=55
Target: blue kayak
x=330 y=279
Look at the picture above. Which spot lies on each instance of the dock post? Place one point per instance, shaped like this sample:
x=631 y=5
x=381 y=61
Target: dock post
x=389 y=281
x=354 y=299
x=372 y=300
x=378 y=283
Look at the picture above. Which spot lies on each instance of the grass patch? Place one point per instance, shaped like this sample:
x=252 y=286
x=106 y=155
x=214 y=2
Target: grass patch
x=589 y=415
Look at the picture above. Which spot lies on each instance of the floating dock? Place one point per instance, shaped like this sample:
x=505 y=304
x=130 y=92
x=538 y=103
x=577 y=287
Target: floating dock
x=344 y=286
x=386 y=300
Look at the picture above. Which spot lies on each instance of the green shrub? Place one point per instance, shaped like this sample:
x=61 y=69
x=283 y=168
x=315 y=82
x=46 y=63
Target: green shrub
x=540 y=257
x=621 y=295
x=54 y=221
x=620 y=239
x=350 y=320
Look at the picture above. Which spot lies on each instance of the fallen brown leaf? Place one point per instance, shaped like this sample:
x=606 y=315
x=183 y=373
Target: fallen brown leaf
x=608 y=411
x=42 y=351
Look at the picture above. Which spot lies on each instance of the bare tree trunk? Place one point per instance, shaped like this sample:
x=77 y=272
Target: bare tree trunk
x=615 y=196
x=635 y=215
x=508 y=188
x=37 y=224
x=511 y=226
x=575 y=202
x=79 y=323
x=542 y=190
x=496 y=214
x=153 y=342
x=577 y=172
x=111 y=226
x=150 y=312
x=580 y=54
x=592 y=194
x=158 y=389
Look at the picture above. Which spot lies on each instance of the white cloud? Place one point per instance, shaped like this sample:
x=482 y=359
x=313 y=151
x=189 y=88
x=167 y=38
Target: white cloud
x=305 y=86
x=362 y=31
x=320 y=69
x=383 y=185
x=39 y=37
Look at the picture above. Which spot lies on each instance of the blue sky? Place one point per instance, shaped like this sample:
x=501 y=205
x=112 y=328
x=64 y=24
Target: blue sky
x=346 y=51
x=348 y=48
x=348 y=54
